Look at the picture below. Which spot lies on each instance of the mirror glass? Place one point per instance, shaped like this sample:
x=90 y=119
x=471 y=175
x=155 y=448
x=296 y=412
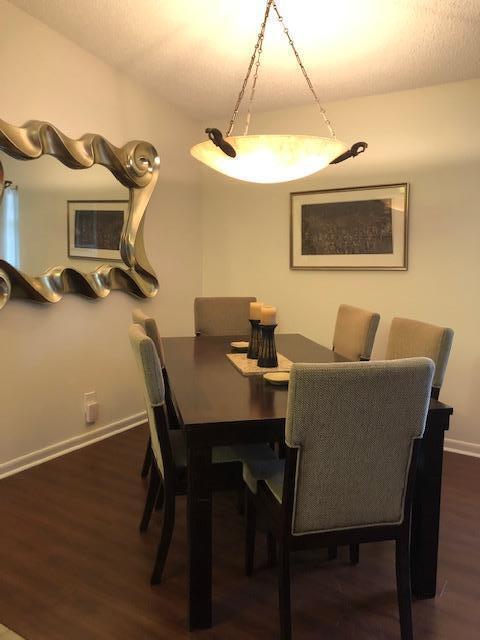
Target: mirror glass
x=51 y=215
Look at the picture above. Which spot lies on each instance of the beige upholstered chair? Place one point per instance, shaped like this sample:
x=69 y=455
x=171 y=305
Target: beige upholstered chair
x=408 y=339
x=151 y=330
x=352 y=440
x=355 y=331
x=150 y=327
x=168 y=476
x=411 y=338
x=222 y=316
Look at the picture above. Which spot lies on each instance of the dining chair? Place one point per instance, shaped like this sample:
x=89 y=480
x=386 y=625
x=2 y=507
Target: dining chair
x=222 y=316
x=150 y=327
x=355 y=331
x=168 y=473
x=353 y=338
x=352 y=436
x=411 y=338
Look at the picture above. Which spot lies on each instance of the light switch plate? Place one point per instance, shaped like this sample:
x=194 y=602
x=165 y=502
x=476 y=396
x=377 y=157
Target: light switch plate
x=91 y=407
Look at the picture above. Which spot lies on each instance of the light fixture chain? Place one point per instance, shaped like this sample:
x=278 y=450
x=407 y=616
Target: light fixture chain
x=255 y=78
x=304 y=71
x=252 y=92
x=258 y=47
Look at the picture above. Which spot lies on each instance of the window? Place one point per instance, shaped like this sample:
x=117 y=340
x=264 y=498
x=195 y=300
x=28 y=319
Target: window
x=9 y=236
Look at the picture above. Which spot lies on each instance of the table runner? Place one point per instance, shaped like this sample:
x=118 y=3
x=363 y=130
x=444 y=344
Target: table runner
x=249 y=367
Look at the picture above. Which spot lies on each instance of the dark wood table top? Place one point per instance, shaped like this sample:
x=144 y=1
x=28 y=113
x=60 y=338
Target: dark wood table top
x=209 y=391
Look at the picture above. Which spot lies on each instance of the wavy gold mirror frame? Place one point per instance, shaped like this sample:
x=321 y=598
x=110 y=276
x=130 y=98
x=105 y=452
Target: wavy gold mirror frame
x=135 y=166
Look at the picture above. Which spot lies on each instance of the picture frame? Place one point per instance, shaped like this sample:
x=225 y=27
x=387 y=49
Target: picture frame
x=351 y=228
x=95 y=228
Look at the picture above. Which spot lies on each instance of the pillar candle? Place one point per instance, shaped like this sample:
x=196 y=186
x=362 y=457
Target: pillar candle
x=269 y=315
x=255 y=310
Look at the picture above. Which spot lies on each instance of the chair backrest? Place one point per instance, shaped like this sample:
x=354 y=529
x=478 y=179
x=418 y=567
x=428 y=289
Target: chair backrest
x=411 y=338
x=355 y=331
x=222 y=316
x=154 y=390
x=354 y=425
x=150 y=327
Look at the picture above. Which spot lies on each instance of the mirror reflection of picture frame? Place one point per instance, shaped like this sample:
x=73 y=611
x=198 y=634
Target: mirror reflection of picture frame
x=357 y=228
x=95 y=228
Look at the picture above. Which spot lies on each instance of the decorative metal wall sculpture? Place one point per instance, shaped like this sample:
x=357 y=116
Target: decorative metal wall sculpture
x=135 y=166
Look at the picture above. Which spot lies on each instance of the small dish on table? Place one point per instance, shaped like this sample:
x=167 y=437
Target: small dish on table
x=239 y=347
x=277 y=377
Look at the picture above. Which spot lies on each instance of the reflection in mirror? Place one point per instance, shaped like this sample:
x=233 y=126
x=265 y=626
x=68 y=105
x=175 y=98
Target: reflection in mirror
x=51 y=215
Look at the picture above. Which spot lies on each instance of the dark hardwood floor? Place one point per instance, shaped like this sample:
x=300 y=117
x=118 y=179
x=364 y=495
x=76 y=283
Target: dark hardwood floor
x=74 y=567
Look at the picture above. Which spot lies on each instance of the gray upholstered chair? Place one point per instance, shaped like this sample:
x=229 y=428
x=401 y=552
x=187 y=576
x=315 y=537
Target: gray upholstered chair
x=150 y=327
x=411 y=338
x=352 y=439
x=151 y=330
x=355 y=331
x=222 y=316
x=168 y=474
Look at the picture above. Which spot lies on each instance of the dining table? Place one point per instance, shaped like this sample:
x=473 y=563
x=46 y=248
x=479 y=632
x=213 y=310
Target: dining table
x=217 y=405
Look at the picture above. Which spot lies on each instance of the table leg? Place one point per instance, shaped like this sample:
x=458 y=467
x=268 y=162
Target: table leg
x=199 y=531
x=426 y=515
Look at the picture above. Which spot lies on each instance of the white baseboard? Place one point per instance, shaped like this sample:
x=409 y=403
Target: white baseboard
x=465 y=448
x=78 y=442
x=72 y=444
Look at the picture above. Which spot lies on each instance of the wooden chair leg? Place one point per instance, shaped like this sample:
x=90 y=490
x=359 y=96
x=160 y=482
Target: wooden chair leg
x=250 y=527
x=332 y=553
x=151 y=497
x=404 y=590
x=354 y=553
x=160 y=497
x=271 y=549
x=147 y=461
x=165 y=539
x=284 y=592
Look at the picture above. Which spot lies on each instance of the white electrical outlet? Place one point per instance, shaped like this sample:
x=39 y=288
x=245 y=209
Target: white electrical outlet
x=90 y=405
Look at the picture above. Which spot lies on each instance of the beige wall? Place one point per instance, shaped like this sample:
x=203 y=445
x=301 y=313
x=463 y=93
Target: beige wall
x=429 y=138
x=52 y=354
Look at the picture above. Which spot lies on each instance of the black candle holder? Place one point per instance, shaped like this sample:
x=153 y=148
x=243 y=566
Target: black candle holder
x=267 y=354
x=255 y=340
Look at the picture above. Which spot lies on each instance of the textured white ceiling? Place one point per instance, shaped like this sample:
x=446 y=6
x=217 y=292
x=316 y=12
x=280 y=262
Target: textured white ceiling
x=195 y=53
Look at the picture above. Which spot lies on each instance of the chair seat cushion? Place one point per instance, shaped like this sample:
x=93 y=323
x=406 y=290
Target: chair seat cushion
x=250 y=452
x=235 y=453
x=271 y=471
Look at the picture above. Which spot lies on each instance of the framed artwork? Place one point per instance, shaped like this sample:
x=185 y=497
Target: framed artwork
x=357 y=228
x=95 y=228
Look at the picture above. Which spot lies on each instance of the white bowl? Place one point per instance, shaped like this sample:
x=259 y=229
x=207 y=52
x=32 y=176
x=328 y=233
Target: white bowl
x=277 y=377
x=239 y=346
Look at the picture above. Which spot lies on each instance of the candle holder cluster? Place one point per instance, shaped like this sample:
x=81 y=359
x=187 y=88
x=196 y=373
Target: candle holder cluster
x=267 y=354
x=255 y=340
x=262 y=338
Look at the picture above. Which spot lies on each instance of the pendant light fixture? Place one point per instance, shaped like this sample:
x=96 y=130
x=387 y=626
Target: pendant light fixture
x=269 y=158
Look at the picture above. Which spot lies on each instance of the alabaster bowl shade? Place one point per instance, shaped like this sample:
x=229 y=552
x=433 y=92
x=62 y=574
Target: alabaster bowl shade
x=270 y=158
